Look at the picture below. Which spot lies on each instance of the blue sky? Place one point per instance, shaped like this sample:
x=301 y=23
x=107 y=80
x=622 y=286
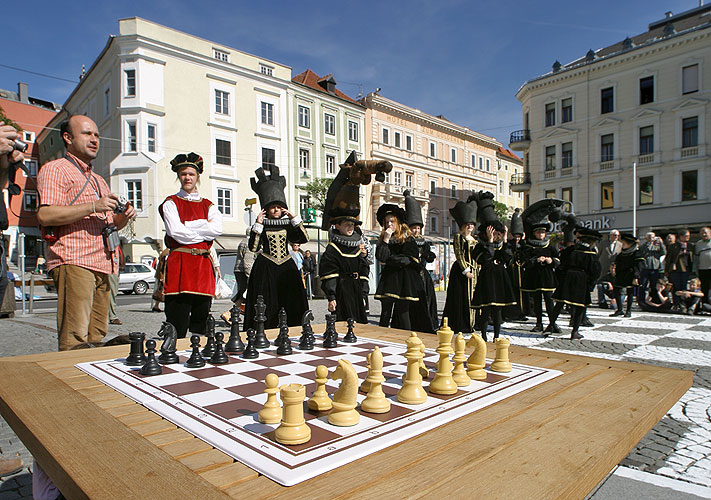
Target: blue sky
x=462 y=59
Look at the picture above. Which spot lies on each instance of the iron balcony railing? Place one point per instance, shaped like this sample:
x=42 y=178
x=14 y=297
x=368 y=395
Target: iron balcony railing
x=520 y=136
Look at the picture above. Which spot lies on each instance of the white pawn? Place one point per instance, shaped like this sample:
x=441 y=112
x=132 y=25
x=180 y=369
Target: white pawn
x=271 y=412
x=320 y=401
x=411 y=392
x=443 y=383
x=459 y=374
x=375 y=401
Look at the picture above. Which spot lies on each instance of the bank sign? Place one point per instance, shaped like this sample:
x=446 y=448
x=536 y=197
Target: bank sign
x=600 y=223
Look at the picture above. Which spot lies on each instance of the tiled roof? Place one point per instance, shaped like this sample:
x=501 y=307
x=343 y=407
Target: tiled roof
x=311 y=79
x=509 y=153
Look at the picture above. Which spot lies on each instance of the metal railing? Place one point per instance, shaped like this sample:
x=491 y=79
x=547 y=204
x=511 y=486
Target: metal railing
x=522 y=178
x=520 y=136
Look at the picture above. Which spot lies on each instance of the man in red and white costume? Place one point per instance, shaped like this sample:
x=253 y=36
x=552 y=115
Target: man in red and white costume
x=191 y=225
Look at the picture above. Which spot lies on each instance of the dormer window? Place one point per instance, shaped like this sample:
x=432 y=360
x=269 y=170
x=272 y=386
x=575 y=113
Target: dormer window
x=221 y=55
x=328 y=83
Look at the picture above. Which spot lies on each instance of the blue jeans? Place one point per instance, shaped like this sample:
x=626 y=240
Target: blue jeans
x=679 y=279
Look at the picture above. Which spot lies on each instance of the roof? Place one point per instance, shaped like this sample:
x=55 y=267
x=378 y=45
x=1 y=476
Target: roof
x=29 y=117
x=509 y=154
x=311 y=79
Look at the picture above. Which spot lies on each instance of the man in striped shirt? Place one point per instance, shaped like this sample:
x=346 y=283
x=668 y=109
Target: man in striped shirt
x=78 y=204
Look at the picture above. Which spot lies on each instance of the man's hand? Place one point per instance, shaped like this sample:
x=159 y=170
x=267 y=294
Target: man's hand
x=470 y=275
x=8 y=134
x=8 y=154
x=362 y=249
x=122 y=219
x=106 y=203
x=490 y=234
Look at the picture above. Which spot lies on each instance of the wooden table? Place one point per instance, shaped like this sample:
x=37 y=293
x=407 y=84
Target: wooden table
x=557 y=440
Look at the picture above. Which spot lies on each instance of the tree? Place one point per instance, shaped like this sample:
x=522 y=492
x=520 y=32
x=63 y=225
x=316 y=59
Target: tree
x=317 y=190
x=501 y=210
x=8 y=121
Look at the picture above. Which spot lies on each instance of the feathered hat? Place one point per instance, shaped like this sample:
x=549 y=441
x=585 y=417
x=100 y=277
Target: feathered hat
x=270 y=189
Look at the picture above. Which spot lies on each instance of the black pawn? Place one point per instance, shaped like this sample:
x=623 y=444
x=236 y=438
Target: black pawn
x=284 y=348
x=152 y=367
x=234 y=343
x=196 y=360
x=260 y=338
x=350 y=337
x=219 y=357
x=136 y=357
x=209 y=348
x=250 y=352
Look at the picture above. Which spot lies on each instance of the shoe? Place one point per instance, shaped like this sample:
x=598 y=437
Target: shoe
x=552 y=328
x=586 y=322
x=538 y=328
x=116 y=321
x=483 y=335
x=155 y=309
x=10 y=466
x=575 y=336
x=617 y=313
x=628 y=314
x=226 y=319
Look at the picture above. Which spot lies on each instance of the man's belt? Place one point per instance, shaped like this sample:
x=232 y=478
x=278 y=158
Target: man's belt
x=192 y=251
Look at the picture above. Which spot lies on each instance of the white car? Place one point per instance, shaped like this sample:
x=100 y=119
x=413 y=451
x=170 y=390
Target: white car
x=136 y=278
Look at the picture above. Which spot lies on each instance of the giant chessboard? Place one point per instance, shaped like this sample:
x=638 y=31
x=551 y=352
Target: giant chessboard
x=219 y=404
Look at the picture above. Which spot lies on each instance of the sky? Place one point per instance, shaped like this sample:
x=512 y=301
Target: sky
x=461 y=59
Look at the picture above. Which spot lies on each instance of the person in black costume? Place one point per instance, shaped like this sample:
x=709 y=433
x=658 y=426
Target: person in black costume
x=628 y=265
x=540 y=260
x=580 y=268
x=274 y=273
x=458 y=309
x=423 y=319
x=493 y=288
x=516 y=311
x=400 y=283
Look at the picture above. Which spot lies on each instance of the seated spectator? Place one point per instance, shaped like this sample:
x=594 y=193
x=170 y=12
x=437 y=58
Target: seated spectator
x=659 y=299
x=690 y=298
x=605 y=289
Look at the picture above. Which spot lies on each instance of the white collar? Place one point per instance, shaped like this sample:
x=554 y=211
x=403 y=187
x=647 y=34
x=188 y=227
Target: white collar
x=194 y=196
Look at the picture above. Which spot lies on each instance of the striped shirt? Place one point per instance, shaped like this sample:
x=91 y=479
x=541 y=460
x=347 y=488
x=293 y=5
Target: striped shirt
x=79 y=243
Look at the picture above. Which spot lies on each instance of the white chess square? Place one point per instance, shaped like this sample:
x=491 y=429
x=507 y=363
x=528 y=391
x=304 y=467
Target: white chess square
x=363 y=424
x=294 y=368
x=230 y=380
x=171 y=378
x=207 y=398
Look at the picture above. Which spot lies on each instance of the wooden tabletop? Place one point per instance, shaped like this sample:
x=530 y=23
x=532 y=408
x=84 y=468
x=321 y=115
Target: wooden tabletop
x=556 y=440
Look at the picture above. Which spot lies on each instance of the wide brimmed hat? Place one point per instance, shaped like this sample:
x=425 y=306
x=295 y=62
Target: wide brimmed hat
x=269 y=189
x=516 y=222
x=584 y=232
x=390 y=208
x=413 y=211
x=187 y=160
x=629 y=238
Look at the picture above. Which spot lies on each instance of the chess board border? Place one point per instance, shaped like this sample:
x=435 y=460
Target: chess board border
x=287 y=465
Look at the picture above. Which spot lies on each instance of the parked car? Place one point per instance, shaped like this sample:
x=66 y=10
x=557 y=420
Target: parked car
x=136 y=278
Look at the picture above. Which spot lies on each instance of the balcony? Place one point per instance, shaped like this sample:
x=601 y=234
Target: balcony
x=690 y=152
x=520 y=182
x=520 y=140
x=607 y=165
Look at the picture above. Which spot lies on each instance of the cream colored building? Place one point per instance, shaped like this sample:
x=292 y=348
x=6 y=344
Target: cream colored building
x=643 y=101
x=440 y=162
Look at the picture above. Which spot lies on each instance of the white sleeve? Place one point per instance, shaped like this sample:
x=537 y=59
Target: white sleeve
x=212 y=227
x=296 y=220
x=176 y=229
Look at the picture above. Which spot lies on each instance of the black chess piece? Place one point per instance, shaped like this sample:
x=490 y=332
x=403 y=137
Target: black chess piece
x=331 y=318
x=250 y=352
x=350 y=337
x=260 y=316
x=136 y=357
x=306 y=341
x=234 y=343
x=196 y=360
x=219 y=357
x=284 y=348
x=167 y=349
x=209 y=348
x=152 y=367
x=330 y=336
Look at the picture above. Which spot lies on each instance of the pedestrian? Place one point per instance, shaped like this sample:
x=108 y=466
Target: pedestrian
x=191 y=225
x=606 y=286
x=653 y=250
x=691 y=298
x=628 y=265
x=678 y=265
x=608 y=251
x=80 y=224
x=702 y=261
x=516 y=311
x=308 y=268
x=659 y=299
x=540 y=260
x=159 y=284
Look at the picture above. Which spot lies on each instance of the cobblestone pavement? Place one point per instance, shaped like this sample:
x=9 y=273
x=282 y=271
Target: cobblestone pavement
x=679 y=446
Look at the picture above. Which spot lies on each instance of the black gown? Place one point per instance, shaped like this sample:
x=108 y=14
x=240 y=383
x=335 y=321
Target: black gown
x=344 y=270
x=515 y=311
x=537 y=276
x=628 y=265
x=424 y=318
x=400 y=275
x=458 y=308
x=493 y=286
x=579 y=271
x=274 y=274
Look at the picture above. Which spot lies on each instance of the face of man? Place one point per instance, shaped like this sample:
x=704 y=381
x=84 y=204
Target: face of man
x=614 y=235
x=188 y=177
x=274 y=211
x=649 y=236
x=539 y=234
x=671 y=239
x=295 y=247
x=684 y=237
x=706 y=233
x=82 y=140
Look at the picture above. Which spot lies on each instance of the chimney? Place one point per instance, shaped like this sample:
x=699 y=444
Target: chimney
x=22 y=92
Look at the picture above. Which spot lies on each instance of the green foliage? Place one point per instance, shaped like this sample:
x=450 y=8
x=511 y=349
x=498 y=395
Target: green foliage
x=317 y=190
x=8 y=121
x=501 y=210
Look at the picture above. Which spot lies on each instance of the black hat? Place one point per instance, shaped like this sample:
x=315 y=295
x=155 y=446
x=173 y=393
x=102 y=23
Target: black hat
x=187 y=160
x=584 y=232
x=629 y=238
x=413 y=212
x=485 y=203
x=569 y=225
x=541 y=225
x=269 y=189
x=496 y=224
x=390 y=208
x=342 y=200
x=516 y=222
x=464 y=212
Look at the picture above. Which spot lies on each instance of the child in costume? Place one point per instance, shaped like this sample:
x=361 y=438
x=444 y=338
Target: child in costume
x=628 y=265
x=274 y=274
x=540 y=260
x=516 y=311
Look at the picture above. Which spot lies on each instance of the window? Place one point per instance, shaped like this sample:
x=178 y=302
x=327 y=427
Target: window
x=550 y=158
x=690 y=79
x=107 y=101
x=387 y=177
x=222 y=102
x=607 y=190
x=567 y=155
x=481 y=163
x=398 y=178
x=134 y=194
x=646 y=190
x=31 y=167
x=305 y=162
x=223 y=152
x=550 y=193
x=329 y=124
x=607 y=146
x=646 y=90
x=690 y=132
x=454 y=190
x=330 y=164
x=646 y=140
x=221 y=55
x=453 y=155
x=566 y=110
x=267 y=113
x=304 y=204
x=30 y=201
x=567 y=194
x=433 y=186
x=266 y=70
x=304 y=117
x=352 y=131
x=501 y=186
x=397 y=137
x=130 y=82
x=224 y=201
x=689 y=185
x=550 y=114
x=386 y=136
x=473 y=161
x=131 y=131
x=408 y=142
x=453 y=227
x=606 y=100
x=433 y=224
x=268 y=158
x=408 y=180
x=488 y=165
x=151 y=133
x=433 y=149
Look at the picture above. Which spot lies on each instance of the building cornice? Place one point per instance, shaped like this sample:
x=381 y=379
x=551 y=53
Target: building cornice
x=132 y=110
x=134 y=56
x=314 y=95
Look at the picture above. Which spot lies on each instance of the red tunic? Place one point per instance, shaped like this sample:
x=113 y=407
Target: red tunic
x=184 y=272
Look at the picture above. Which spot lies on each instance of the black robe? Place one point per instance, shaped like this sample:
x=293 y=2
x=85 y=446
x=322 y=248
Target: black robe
x=400 y=274
x=628 y=265
x=493 y=286
x=274 y=274
x=458 y=308
x=537 y=276
x=344 y=278
x=579 y=271
x=424 y=319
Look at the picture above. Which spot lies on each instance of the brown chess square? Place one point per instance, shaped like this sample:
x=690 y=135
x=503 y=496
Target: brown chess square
x=191 y=387
x=247 y=390
x=234 y=408
x=208 y=372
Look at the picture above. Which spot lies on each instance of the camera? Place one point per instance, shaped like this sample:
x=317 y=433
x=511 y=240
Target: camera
x=20 y=146
x=111 y=237
x=122 y=204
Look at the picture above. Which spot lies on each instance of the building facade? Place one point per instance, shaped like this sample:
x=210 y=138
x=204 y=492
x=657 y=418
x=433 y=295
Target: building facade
x=622 y=131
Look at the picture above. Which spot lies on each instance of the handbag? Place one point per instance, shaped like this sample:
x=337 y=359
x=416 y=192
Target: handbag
x=158 y=292
x=222 y=289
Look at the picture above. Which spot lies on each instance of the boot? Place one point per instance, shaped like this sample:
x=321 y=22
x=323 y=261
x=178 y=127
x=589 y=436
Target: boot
x=628 y=312
x=586 y=322
x=538 y=328
x=574 y=335
x=552 y=328
x=483 y=335
x=617 y=313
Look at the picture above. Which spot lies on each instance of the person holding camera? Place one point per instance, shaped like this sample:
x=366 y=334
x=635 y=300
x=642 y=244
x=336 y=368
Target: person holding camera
x=80 y=219
x=652 y=250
